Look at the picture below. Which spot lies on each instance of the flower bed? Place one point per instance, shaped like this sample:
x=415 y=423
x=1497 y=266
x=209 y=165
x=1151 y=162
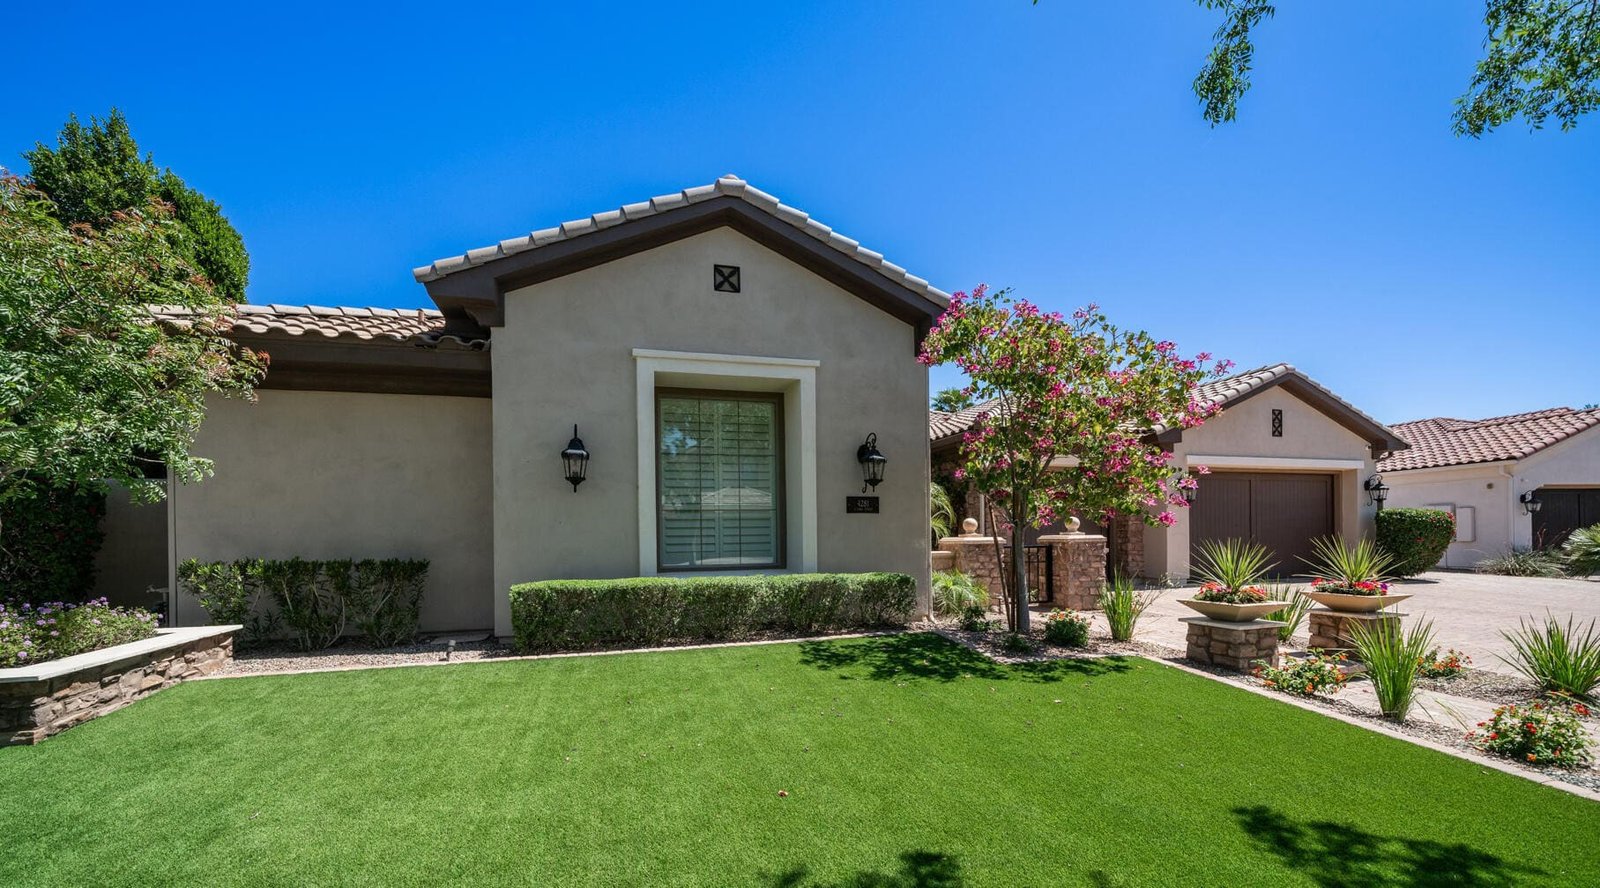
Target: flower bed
x=37 y=633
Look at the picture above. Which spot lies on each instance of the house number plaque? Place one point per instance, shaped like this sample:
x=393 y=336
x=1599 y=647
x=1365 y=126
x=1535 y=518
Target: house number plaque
x=861 y=505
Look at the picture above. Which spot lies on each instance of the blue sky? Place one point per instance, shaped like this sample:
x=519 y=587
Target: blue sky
x=1056 y=149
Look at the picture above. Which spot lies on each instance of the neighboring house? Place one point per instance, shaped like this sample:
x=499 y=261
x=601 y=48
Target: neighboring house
x=722 y=355
x=1288 y=463
x=1485 y=471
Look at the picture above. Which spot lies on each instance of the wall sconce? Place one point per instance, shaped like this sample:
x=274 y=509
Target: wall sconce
x=1190 y=491
x=1530 y=502
x=575 y=459
x=1377 y=491
x=872 y=463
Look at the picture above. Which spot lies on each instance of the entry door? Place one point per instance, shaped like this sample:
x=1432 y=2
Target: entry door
x=1561 y=511
x=1283 y=511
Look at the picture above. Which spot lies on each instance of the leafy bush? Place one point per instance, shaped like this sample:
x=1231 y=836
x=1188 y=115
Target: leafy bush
x=315 y=600
x=48 y=542
x=1523 y=563
x=1538 y=734
x=1391 y=656
x=646 y=611
x=1452 y=664
x=1305 y=677
x=976 y=619
x=1017 y=644
x=1556 y=656
x=1066 y=628
x=1291 y=615
x=1582 y=552
x=941 y=512
x=34 y=633
x=1349 y=570
x=1123 y=605
x=954 y=592
x=1415 y=538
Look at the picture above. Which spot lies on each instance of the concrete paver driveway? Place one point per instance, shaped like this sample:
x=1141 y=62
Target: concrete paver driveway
x=1468 y=610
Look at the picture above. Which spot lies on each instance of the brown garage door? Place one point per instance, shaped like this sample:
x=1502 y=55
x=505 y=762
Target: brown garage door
x=1561 y=511
x=1282 y=511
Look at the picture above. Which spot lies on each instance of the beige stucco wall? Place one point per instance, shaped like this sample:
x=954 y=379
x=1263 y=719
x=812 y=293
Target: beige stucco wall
x=1500 y=523
x=133 y=558
x=348 y=475
x=1312 y=442
x=565 y=356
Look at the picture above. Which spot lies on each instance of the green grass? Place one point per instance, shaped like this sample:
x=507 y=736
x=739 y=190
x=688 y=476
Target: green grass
x=908 y=762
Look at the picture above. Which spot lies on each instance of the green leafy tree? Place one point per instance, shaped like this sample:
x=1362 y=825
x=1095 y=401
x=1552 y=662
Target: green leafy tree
x=951 y=399
x=1541 y=61
x=1073 y=387
x=93 y=385
x=95 y=172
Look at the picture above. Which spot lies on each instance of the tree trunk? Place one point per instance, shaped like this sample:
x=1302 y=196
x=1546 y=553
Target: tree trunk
x=1019 y=563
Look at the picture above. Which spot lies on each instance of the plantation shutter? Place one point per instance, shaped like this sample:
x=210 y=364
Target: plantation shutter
x=719 y=487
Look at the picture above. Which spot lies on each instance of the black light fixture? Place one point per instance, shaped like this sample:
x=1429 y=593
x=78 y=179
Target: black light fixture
x=872 y=463
x=1530 y=502
x=575 y=459
x=1190 y=491
x=1377 y=491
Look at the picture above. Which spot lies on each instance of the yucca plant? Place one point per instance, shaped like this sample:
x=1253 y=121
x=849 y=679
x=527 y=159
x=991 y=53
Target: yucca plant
x=1123 y=604
x=1231 y=571
x=1361 y=569
x=941 y=511
x=1558 y=657
x=1391 y=656
x=1291 y=615
x=954 y=593
x=1582 y=552
x=1522 y=563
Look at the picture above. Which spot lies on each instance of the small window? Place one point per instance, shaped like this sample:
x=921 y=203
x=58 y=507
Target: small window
x=719 y=480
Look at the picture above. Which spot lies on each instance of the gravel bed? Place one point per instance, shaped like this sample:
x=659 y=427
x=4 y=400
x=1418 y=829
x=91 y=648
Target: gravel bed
x=1481 y=684
x=280 y=658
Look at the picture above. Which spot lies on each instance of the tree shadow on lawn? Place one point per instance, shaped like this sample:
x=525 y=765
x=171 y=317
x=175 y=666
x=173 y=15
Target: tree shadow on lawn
x=918 y=869
x=1337 y=855
x=922 y=655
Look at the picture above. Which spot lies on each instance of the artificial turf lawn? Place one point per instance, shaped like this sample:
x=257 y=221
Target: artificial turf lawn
x=907 y=761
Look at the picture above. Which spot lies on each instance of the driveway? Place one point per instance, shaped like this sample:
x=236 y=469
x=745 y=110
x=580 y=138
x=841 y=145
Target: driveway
x=1468 y=610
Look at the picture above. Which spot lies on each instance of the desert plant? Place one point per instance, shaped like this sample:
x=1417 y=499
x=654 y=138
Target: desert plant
x=1304 y=677
x=1523 y=563
x=941 y=511
x=1123 y=604
x=1581 y=553
x=1233 y=565
x=1292 y=614
x=1539 y=734
x=954 y=592
x=1361 y=569
x=1391 y=656
x=1414 y=538
x=1556 y=656
x=1066 y=628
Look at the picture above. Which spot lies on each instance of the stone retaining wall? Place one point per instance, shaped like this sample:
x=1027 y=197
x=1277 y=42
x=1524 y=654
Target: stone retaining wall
x=35 y=708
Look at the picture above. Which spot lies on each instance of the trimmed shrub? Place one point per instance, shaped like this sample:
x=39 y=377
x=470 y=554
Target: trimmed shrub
x=649 y=611
x=229 y=600
x=47 y=545
x=33 y=633
x=315 y=600
x=1415 y=538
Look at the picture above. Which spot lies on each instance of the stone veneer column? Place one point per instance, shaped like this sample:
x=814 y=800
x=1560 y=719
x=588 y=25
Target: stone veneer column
x=1330 y=630
x=1128 y=535
x=1233 y=646
x=1078 y=563
x=974 y=556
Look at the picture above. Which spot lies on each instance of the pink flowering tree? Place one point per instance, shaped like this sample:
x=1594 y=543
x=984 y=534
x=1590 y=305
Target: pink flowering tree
x=1074 y=404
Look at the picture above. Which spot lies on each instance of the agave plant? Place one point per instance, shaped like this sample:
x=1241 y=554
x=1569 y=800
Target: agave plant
x=1292 y=614
x=1123 y=604
x=1231 y=571
x=1582 y=552
x=1563 y=658
x=1391 y=656
x=1361 y=569
x=1523 y=563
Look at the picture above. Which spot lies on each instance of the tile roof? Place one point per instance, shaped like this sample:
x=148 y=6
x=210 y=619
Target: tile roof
x=370 y=324
x=726 y=186
x=942 y=425
x=1442 y=441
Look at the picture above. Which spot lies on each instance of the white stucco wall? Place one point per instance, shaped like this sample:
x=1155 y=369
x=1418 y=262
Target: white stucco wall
x=348 y=475
x=1493 y=490
x=1311 y=442
x=566 y=355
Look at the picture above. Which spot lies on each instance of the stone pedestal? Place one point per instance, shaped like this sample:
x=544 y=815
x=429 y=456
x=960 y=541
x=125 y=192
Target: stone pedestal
x=1330 y=630
x=1078 y=561
x=1233 y=646
x=973 y=555
x=943 y=560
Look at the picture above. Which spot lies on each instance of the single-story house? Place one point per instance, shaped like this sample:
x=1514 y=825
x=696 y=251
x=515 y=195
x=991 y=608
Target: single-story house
x=1289 y=462
x=722 y=356
x=1513 y=482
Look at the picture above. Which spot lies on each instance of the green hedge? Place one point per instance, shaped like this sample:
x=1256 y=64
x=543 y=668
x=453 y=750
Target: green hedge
x=1416 y=538
x=315 y=600
x=47 y=545
x=646 y=611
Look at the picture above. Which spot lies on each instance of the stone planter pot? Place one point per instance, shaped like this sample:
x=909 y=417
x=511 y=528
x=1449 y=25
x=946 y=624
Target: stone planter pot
x=1354 y=604
x=1233 y=613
